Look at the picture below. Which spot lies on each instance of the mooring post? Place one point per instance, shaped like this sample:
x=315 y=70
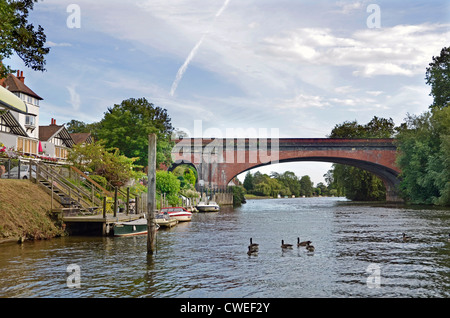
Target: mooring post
x=151 y=194
x=104 y=207
x=115 y=201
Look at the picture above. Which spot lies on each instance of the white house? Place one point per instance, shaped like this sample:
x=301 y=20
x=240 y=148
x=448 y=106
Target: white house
x=18 y=124
x=56 y=140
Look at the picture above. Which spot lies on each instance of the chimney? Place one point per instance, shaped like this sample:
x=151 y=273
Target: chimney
x=20 y=77
x=53 y=122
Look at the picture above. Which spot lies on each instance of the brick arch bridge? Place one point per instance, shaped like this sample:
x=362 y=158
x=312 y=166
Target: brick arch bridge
x=218 y=160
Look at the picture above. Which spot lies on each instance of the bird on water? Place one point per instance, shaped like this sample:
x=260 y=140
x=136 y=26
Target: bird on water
x=304 y=243
x=406 y=238
x=285 y=246
x=253 y=247
x=310 y=248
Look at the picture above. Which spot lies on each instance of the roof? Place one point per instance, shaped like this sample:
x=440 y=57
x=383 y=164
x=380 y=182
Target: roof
x=12 y=123
x=13 y=84
x=11 y=101
x=48 y=132
x=80 y=138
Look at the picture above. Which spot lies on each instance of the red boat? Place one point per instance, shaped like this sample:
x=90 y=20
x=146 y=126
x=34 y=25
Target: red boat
x=178 y=213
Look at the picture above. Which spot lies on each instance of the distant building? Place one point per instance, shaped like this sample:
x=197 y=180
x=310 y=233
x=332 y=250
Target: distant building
x=56 y=140
x=82 y=138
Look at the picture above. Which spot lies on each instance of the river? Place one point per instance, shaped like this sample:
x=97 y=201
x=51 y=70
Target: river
x=359 y=252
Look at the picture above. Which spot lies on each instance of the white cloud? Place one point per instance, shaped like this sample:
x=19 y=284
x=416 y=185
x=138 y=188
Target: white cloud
x=75 y=99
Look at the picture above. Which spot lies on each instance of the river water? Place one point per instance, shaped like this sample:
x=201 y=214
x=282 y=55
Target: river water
x=359 y=252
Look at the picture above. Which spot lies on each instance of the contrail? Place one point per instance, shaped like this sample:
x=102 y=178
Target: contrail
x=191 y=55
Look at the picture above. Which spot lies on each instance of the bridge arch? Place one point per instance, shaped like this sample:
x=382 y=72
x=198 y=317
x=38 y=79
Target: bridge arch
x=388 y=176
x=219 y=161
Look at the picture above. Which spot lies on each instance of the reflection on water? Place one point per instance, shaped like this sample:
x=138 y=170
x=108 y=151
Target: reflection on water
x=208 y=256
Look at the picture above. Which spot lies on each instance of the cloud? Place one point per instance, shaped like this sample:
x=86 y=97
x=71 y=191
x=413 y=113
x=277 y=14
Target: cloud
x=75 y=99
x=53 y=44
x=400 y=50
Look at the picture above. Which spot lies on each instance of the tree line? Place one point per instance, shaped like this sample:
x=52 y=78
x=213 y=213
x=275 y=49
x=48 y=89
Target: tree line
x=284 y=184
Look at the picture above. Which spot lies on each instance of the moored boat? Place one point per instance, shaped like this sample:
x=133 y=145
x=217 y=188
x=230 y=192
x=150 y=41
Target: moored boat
x=178 y=213
x=163 y=219
x=211 y=206
x=136 y=227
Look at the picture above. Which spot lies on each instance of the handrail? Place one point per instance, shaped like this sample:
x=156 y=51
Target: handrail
x=61 y=185
x=106 y=192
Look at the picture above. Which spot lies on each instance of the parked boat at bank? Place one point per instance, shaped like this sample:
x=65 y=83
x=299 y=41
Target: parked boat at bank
x=178 y=213
x=211 y=206
x=164 y=220
x=136 y=227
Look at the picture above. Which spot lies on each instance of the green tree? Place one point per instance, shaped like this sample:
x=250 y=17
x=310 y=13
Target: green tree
x=117 y=169
x=20 y=37
x=248 y=182
x=424 y=157
x=438 y=77
x=289 y=181
x=306 y=186
x=76 y=126
x=355 y=183
x=168 y=183
x=127 y=125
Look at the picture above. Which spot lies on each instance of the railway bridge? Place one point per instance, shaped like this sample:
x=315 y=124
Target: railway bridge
x=219 y=160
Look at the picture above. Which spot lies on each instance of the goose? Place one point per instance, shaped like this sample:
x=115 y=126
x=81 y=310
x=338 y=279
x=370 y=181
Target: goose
x=310 y=248
x=304 y=243
x=285 y=246
x=253 y=247
x=406 y=238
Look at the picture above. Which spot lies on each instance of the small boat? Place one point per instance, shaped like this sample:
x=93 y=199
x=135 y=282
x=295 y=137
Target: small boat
x=136 y=227
x=163 y=219
x=211 y=206
x=178 y=213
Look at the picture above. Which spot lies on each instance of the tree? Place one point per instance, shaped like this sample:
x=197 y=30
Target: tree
x=355 y=183
x=248 y=182
x=20 y=37
x=126 y=126
x=76 y=126
x=438 y=76
x=306 y=186
x=115 y=168
x=168 y=183
x=424 y=157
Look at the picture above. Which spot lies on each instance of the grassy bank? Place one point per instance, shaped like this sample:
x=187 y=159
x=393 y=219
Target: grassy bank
x=24 y=212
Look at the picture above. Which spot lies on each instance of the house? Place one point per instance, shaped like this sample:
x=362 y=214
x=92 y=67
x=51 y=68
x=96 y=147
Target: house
x=19 y=122
x=19 y=115
x=56 y=140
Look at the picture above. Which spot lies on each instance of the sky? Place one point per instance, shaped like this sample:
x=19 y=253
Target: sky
x=252 y=66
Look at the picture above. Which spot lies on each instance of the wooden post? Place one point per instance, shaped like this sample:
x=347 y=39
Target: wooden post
x=104 y=207
x=128 y=200
x=51 y=204
x=115 y=201
x=151 y=194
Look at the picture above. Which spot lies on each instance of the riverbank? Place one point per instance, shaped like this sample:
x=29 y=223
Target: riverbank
x=25 y=212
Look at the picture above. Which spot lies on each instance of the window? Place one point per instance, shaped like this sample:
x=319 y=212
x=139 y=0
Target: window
x=30 y=120
x=27 y=145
